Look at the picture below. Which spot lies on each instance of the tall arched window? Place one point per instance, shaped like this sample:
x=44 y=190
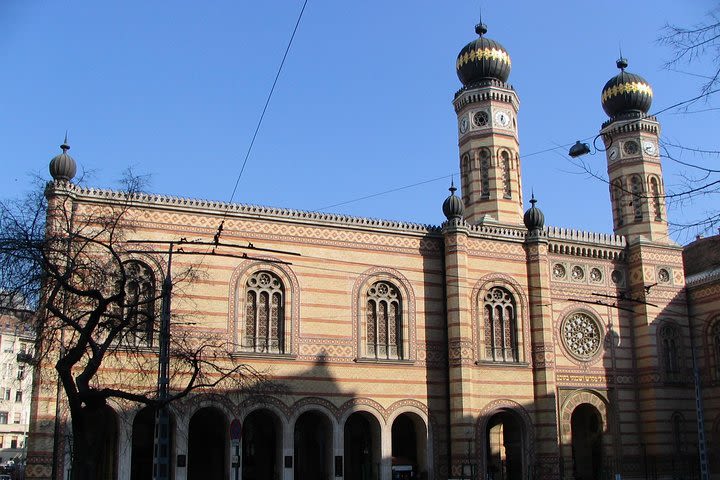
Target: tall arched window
x=264 y=314
x=655 y=193
x=670 y=345
x=484 y=174
x=677 y=433
x=507 y=185
x=715 y=339
x=384 y=321
x=636 y=188
x=500 y=325
x=139 y=306
x=465 y=174
x=617 y=195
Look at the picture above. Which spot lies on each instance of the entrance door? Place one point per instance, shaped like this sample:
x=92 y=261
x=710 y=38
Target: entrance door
x=313 y=447
x=362 y=447
x=261 y=444
x=207 y=445
x=586 y=442
x=504 y=440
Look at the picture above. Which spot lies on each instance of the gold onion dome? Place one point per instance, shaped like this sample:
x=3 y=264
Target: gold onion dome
x=482 y=59
x=626 y=93
x=63 y=166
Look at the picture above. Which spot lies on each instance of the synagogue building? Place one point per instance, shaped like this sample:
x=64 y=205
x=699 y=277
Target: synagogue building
x=492 y=346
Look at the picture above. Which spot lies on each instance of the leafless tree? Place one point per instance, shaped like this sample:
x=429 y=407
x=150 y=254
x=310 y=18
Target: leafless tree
x=97 y=312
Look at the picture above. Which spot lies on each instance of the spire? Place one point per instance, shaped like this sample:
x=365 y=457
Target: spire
x=63 y=166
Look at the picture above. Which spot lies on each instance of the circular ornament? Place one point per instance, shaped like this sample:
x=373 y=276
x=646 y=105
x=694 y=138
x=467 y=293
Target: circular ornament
x=616 y=276
x=663 y=276
x=581 y=335
x=502 y=118
x=595 y=275
x=650 y=148
x=481 y=118
x=577 y=273
x=464 y=125
x=631 y=147
x=558 y=271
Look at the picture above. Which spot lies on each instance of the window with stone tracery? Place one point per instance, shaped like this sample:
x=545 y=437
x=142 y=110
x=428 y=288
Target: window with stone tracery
x=507 y=184
x=500 y=325
x=264 y=314
x=484 y=174
x=139 y=305
x=617 y=196
x=655 y=193
x=637 y=190
x=465 y=174
x=383 y=323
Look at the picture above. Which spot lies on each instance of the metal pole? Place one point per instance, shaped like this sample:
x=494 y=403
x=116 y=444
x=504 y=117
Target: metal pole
x=161 y=450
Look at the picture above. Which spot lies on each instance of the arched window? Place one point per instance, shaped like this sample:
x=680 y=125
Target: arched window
x=715 y=342
x=670 y=346
x=636 y=188
x=677 y=433
x=617 y=195
x=465 y=174
x=500 y=325
x=139 y=305
x=264 y=314
x=484 y=174
x=507 y=185
x=383 y=325
x=655 y=193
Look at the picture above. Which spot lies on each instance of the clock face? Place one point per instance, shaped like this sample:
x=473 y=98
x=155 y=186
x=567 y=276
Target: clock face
x=613 y=153
x=650 y=148
x=481 y=118
x=502 y=118
x=631 y=147
x=464 y=125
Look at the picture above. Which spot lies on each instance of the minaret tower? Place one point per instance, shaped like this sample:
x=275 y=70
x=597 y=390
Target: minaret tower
x=633 y=158
x=486 y=108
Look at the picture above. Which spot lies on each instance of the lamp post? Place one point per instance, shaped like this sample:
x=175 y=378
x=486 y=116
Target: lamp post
x=161 y=447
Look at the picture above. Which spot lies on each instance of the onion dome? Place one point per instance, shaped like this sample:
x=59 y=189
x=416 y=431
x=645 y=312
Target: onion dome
x=482 y=59
x=534 y=218
x=63 y=166
x=453 y=206
x=626 y=93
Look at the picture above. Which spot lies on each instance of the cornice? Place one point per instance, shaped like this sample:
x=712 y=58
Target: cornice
x=708 y=276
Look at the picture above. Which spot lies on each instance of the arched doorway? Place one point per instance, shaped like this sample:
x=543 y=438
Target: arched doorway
x=409 y=446
x=261 y=446
x=313 y=447
x=102 y=433
x=504 y=446
x=207 y=445
x=362 y=447
x=143 y=440
x=586 y=424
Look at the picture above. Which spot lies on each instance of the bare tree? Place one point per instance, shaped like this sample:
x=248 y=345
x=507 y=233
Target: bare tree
x=97 y=308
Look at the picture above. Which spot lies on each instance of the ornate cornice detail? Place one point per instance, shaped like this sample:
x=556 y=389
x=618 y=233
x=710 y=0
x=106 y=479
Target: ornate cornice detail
x=708 y=276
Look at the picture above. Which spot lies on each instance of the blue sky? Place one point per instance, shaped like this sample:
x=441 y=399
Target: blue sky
x=362 y=106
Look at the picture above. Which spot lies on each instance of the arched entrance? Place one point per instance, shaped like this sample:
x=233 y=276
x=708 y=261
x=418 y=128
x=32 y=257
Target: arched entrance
x=261 y=446
x=586 y=424
x=409 y=446
x=362 y=447
x=313 y=447
x=207 y=445
x=143 y=440
x=101 y=425
x=504 y=446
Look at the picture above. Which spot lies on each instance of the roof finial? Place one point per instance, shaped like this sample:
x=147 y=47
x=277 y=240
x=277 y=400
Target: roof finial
x=481 y=28
x=532 y=197
x=65 y=147
x=452 y=185
x=622 y=62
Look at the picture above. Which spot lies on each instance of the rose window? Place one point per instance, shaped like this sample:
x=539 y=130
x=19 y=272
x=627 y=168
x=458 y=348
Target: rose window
x=558 y=271
x=595 y=275
x=578 y=273
x=581 y=335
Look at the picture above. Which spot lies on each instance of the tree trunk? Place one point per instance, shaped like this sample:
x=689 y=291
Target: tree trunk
x=94 y=447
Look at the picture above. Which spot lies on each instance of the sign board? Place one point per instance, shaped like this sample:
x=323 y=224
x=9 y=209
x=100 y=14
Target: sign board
x=235 y=430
